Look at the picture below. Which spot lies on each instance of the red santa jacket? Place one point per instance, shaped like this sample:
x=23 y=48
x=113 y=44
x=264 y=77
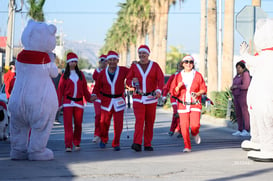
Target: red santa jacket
x=167 y=87
x=108 y=91
x=151 y=80
x=95 y=77
x=96 y=73
x=7 y=79
x=197 y=84
x=67 y=90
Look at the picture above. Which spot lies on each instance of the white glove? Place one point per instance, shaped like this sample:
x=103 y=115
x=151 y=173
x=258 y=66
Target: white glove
x=244 y=48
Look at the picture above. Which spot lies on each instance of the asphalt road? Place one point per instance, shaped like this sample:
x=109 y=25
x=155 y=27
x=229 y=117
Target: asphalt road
x=218 y=157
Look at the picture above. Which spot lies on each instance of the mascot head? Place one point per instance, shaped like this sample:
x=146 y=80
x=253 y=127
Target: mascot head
x=263 y=37
x=39 y=36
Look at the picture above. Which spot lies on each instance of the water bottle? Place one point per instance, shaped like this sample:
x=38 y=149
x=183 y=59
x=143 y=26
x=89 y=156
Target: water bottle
x=137 y=87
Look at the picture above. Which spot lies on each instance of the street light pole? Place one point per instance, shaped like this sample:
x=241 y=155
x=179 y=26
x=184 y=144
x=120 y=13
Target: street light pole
x=10 y=34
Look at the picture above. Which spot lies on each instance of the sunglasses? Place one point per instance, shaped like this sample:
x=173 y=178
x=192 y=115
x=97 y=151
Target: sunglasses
x=188 y=61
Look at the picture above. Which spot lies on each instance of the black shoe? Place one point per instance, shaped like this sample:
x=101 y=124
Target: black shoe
x=148 y=148
x=136 y=147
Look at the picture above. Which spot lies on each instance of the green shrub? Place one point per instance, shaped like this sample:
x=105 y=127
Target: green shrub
x=220 y=100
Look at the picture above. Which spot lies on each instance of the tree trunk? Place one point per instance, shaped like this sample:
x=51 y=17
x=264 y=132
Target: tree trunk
x=133 y=52
x=212 y=47
x=156 y=49
x=163 y=35
x=228 y=45
x=203 y=42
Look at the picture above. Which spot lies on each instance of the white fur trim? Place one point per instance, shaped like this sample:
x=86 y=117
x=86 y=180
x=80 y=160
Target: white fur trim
x=72 y=59
x=196 y=109
x=137 y=100
x=73 y=104
x=112 y=56
x=144 y=50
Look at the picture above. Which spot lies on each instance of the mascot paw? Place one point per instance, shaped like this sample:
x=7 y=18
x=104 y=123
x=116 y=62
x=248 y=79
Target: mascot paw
x=249 y=145
x=18 y=155
x=47 y=154
x=260 y=156
x=244 y=48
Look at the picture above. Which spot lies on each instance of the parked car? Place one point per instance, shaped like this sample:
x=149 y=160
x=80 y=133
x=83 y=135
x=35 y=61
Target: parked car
x=3 y=96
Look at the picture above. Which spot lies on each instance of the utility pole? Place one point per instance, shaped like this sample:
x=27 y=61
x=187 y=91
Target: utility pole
x=10 y=33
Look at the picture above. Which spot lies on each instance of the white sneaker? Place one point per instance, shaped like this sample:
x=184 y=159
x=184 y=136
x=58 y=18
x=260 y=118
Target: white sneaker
x=96 y=139
x=68 y=149
x=260 y=156
x=77 y=148
x=237 y=133
x=197 y=139
x=186 y=150
x=249 y=145
x=244 y=133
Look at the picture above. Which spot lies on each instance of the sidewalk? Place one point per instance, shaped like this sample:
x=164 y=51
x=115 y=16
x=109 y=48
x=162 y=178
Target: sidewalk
x=218 y=157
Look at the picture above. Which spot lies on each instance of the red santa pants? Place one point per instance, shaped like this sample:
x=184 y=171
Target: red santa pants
x=189 y=120
x=175 y=126
x=145 y=117
x=105 y=123
x=69 y=135
x=97 y=118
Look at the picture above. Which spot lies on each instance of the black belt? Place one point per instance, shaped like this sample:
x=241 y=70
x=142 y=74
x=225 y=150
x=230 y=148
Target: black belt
x=185 y=103
x=111 y=95
x=147 y=94
x=74 y=99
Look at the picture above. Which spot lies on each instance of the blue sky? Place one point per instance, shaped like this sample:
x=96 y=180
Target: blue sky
x=183 y=29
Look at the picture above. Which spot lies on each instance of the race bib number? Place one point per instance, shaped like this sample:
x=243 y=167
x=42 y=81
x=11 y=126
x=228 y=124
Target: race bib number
x=149 y=99
x=119 y=104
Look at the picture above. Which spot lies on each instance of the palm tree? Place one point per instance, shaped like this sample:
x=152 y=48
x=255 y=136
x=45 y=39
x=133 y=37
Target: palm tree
x=36 y=9
x=203 y=42
x=228 y=45
x=212 y=47
x=160 y=11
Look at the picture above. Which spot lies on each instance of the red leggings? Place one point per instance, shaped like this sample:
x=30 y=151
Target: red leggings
x=145 y=117
x=105 y=123
x=175 y=126
x=97 y=118
x=189 y=120
x=69 y=135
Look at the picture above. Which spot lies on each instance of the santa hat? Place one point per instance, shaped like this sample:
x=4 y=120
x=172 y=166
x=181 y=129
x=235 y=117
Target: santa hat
x=188 y=57
x=112 y=54
x=144 y=48
x=102 y=58
x=71 y=57
x=243 y=61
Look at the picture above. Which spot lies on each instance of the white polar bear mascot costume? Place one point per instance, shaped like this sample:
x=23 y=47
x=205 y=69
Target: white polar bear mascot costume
x=260 y=93
x=33 y=103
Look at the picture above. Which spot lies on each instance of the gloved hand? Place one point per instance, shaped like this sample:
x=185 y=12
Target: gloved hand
x=244 y=48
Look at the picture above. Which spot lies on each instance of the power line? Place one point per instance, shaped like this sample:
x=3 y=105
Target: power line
x=105 y=12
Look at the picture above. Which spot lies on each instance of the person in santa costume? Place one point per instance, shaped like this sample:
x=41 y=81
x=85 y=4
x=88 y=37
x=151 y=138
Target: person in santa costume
x=8 y=77
x=175 y=126
x=147 y=78
x=97 y=102
x=71 y=90
x=187 y=88
x=110 y=89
